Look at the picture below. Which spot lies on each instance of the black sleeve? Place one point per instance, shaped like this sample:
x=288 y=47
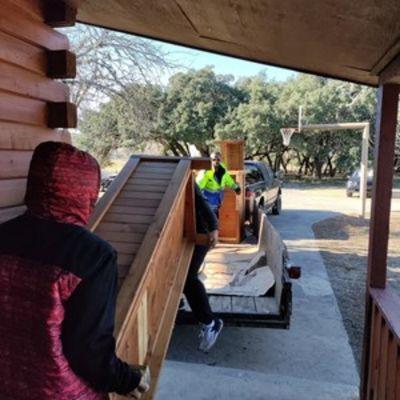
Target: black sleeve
x=206 y=220
x=87 y=334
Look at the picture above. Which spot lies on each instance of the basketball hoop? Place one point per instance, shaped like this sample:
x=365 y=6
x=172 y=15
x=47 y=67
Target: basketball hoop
x=287 y=135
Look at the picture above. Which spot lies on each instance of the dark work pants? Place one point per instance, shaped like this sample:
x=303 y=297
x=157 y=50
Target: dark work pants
x=194 y=289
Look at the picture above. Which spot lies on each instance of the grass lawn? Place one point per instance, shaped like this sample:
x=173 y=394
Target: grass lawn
x=343 y=243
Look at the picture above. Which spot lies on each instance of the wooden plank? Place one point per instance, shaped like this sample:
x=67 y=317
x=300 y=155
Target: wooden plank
x=22 y=26
x=266 y=305
x=119 y=284
x=15 y=136
x=133 y=210
x=10 y=213
x=22 y=110
x=162 y=164
x=125 y=194
x=145 y=188
x=221 y=304
x=14 y=164
x=168 y=320
x=125 y=306
x=125 y=237
x=143 y=329
x=113 y=191
x=61 y=115
x=388 y=303
x=151 y=176
x=125 y=248
x=375 y=342
x=35 y=8
x=26 y=83
x=22 y=54
x=61 y=64
x=137 y=202
x=195 y=162
x=118 y=227
x=391 y=369
x=391 y=72
x=243 y=305
x=398 y=375
x=383 y=357
x=123 y=270
x=12 y=192
x=128 y=218
x=156 y=170
x=143 y=181
x=125 y=259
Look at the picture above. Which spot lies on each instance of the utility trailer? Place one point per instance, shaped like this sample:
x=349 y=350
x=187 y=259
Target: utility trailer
x=270 y=309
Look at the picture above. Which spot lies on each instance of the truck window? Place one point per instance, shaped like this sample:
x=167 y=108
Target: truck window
x=269 y=173
x=253 y=175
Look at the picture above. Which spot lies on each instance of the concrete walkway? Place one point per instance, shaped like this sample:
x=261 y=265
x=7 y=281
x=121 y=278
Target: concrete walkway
x=313 y=360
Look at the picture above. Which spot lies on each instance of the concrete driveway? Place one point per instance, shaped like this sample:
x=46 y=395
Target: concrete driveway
x=313 y=360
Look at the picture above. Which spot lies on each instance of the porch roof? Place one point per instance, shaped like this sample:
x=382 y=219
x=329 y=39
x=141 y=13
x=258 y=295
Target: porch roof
x=352 y=40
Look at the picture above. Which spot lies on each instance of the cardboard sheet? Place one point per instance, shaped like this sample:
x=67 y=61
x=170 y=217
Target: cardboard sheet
x=237 y=271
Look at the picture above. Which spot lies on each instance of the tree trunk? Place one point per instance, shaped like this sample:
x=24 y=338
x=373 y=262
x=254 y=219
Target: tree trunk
x=268 y=157
x=317 y=168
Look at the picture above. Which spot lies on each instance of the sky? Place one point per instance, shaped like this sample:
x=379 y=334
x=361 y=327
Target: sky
x=197 y=59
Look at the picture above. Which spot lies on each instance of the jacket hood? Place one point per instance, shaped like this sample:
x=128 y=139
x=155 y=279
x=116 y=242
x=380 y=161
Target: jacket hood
x=63 y=183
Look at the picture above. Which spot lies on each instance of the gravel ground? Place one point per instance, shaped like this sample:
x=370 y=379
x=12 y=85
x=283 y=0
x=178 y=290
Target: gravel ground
x=343 y=243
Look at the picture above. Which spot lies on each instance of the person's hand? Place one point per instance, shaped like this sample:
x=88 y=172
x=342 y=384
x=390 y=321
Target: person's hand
x=144 y=384
x=238 y=190
x=140 y=390
x=213 y=238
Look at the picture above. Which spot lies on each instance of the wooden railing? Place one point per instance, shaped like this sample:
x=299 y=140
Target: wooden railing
x=384 y=356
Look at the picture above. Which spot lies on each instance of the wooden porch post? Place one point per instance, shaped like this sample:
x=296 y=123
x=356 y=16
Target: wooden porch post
x=388 y=98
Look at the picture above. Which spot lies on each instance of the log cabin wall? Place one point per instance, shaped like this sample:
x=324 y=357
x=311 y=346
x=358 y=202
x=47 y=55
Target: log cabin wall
x=33 y=103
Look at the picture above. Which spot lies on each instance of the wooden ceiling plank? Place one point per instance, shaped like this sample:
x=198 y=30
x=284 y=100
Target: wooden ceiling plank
x=337 y=39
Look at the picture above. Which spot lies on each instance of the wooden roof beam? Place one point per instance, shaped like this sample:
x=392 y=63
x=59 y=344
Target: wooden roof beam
x=391 y=73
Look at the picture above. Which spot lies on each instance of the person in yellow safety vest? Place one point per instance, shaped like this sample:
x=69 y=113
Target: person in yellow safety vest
x=213 y=182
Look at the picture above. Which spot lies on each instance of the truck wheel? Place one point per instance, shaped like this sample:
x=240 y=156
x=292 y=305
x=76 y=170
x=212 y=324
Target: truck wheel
x=349 y=194
x=277 y=208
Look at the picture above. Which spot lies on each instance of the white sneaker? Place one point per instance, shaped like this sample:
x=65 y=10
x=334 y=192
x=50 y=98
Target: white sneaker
x=209 y=335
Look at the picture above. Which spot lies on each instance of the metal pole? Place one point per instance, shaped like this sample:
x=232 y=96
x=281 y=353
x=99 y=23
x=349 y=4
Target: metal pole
x=300 y=121
x=364 y=170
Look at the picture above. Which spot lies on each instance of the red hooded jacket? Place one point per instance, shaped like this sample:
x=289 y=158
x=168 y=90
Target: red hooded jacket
x=58 y=288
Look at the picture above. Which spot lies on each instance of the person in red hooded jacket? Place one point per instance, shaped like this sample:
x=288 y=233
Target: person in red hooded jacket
x=58 y=284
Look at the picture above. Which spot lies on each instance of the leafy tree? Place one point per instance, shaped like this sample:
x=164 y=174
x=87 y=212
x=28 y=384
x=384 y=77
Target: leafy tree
x=194 y=103
x=326 y=101
x=120 y=123
x=255 y=119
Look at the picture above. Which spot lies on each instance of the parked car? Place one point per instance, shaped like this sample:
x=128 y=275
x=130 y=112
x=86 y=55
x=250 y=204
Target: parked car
x=263 y=190
x=353 y=183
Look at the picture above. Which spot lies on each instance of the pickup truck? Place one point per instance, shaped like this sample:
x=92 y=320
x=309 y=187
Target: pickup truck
x=263 y=190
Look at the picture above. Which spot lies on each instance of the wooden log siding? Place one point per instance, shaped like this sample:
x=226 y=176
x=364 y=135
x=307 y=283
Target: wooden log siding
x=28 y=49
